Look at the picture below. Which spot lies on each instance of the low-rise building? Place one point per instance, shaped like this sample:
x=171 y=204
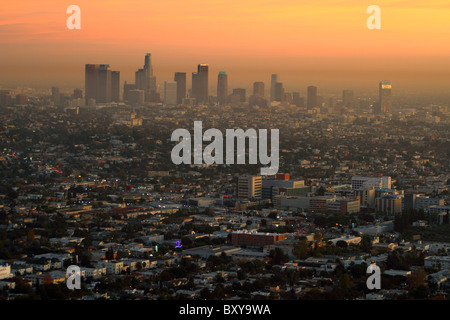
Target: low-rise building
x=257 y=239
x=112 y=267
x=439 y=262
x=5 y=272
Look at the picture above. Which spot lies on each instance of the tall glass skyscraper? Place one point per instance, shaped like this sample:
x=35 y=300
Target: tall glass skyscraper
x=101 y=83
x=273 y=84
x=180 y=78
x=104 y=84
x=200 y=84
x=115 y=86
x=203 y=82
x=311 y=98
x=222 y=88
x=150 y=79
x=384 y=100
x=258 y=89
x=144 y=78
x=279 y=92
x=347 y=98
x=90 y=82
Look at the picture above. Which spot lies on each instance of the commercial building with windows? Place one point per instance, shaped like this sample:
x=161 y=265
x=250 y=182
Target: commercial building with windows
x=366 y=197
x=282 y=185
x=389 y=204
x=369 y=182
x=250 y=187
x=255 y=239
x=344 y=206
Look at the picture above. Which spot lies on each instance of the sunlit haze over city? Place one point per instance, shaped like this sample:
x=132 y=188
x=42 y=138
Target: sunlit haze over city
x=223 y=157
x=324 y=43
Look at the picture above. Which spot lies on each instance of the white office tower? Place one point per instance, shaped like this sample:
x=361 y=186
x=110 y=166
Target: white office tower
x=369 y=182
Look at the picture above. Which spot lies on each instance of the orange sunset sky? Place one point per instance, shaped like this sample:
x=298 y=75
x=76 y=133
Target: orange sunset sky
x=321 y=42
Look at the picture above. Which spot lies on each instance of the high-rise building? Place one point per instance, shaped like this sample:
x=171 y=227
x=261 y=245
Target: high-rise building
x=150 y=79
x=250 y=187
x=296 y=99
x=21 y=99
x=115 y=86
x=78 y=94
x=222 y=88
x=202 y=82
x=258 y=89
x=153 y=96
x=126 y=88
x=144 y=78
x=98 y=83
x=180 y=78
x=195 y=90
x=240 y=94
x=56 y=97
x=170 y=93
x=5 y=98
x=104 y=84
x=311 y=98
x=139 y=79
x=136 y=97
x=273 y=82
x=279 y=92
x=384 y=100
x=347 y=98
x=91 y=82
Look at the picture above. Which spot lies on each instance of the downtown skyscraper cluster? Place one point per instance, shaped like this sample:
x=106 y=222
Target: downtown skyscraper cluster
x=103 y=86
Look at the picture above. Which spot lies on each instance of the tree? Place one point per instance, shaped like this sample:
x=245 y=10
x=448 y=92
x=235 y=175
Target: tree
x=206 y=294
x=301 y=249
x=366 y=244
x=358 y=270
x=345 y=282
x=341 y=244
x=109 y=255
x=219 y=291
x=30 y=235
x=417 y=278
x=320 y=191
x=241 y=275
x=321 y=221
x=277 y=256
x=273 y=215
x=47 y=279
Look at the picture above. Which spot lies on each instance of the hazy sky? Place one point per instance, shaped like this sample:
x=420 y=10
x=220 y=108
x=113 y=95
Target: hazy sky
x=324 y=43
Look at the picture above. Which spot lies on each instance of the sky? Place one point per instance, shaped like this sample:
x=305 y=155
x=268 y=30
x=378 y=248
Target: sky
x=306 y=42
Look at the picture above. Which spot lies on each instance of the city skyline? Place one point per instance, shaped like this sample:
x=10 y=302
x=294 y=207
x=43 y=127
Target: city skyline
x=103 y=85
x=241 y=152
x=248 y=40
